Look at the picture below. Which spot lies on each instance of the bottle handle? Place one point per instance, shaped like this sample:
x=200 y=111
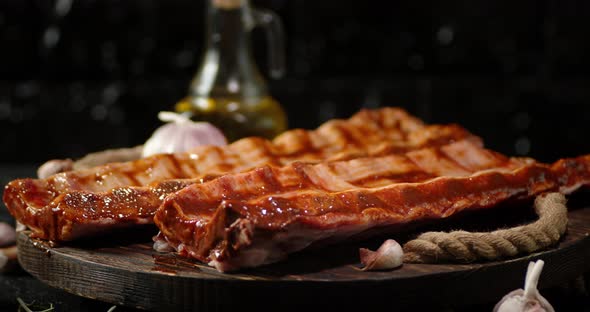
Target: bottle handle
x=275 y=34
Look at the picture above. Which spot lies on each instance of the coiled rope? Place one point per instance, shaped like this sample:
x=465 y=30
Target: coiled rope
x=466 y=247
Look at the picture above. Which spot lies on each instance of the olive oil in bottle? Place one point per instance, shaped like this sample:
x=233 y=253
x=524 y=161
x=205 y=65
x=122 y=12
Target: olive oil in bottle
x=228 y=90
x=237 y=118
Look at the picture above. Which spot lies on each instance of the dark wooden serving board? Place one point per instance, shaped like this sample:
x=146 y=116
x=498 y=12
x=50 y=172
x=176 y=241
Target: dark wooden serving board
x=126 y=271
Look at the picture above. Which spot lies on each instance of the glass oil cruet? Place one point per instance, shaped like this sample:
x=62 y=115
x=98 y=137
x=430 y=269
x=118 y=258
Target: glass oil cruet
x=228 y=90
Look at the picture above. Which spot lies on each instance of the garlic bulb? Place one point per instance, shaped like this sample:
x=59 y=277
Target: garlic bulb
x=529 y=299
x=181 y=134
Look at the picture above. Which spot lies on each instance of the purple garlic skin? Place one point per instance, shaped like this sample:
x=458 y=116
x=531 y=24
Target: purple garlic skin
x=180 y=135
x=389 y=256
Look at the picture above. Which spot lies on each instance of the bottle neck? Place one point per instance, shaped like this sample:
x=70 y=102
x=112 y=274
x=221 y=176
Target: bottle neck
x=228 y=68
x=228 y=32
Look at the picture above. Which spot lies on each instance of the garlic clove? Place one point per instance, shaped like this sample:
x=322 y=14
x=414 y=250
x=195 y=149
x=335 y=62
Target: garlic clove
x=390 y=255
x=529 y=299
x=161 y=244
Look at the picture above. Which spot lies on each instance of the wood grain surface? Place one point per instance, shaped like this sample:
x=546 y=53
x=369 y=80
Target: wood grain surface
x=123 y=269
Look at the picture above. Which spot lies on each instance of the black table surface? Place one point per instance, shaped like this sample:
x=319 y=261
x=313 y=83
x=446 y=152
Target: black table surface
x=572 y=296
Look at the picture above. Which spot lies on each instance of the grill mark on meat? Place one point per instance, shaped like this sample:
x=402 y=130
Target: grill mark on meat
x=377 y=181
x=453 y=160
x=131 y=177
x=176 y=168
x=348 y=136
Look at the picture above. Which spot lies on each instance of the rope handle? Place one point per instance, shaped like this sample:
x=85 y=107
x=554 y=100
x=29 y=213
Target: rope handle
x=466 y=247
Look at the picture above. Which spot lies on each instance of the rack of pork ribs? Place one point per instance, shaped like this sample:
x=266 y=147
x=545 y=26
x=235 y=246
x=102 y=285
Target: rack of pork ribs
x=255 y=201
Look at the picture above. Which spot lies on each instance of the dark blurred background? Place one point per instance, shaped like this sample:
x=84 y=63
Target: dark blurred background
x=78 y=76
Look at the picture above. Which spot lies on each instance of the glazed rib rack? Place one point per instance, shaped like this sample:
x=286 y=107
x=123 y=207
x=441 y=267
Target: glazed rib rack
x=75 y=204
x=260 y=216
